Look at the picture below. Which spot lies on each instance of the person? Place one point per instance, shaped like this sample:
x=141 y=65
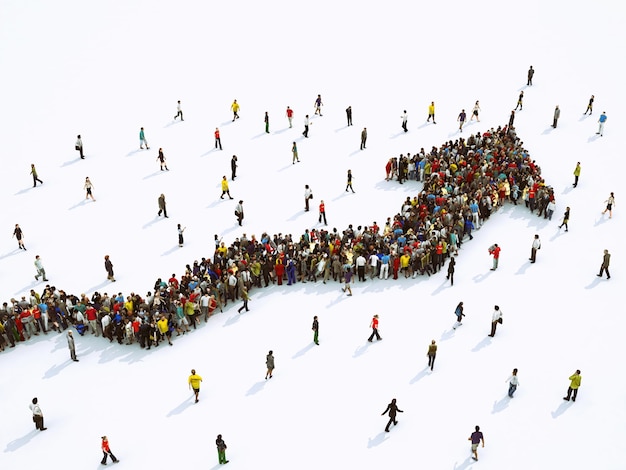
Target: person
x=572 y=390
x=305 y=133
x=565 y=219
x=494 y=250
x=322 y=210
x=458 y=311
x=179 y=112
x=347 y=277
x=404 y=118
x=33 y=171
x=531 y=72
x=239 y=212
x=461 y=120
x=294 y=153
x=316 y=330
x=269 y=362
x=88 y=187
x=218 y=140
x=266 y=119
x=476 y=437
x=79 y=146
x=308 y=194
x=349 y=115
x=450 y=274
x=225 y=189
x=221 y=450
x=520 y=98
x=604 y=267
x=37 y=414
x=513 y=383
x=245 y=297
x=194 y=383
x=162 y=206
x=142 y=139
x=475 y=111
x=40 y=269
x=576 y=174
x=161 y=158
x=431 y=112
x=533 y=250
x=108 y=266
x=318 y=105
x=71 y=345
x=106 y=450
x=511 y=118
x=496 y=318
x=19 y=235
x=432 y=353
x=233 y=168
x=363 y=137
x=235 y=109
x=349 y=184
x=374 y=327
x=557 y=115
x=610 y=202
x=289 y=114
x=392 y=409
x=589 y=106
x=601 y=122
x=181 y=240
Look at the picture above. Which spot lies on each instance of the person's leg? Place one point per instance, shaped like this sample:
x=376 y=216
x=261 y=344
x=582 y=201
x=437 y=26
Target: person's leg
x=574 y=394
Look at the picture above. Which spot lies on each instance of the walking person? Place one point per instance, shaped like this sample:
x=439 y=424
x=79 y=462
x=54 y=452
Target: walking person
x=225 y=189
x=450 y=275
x=305 y=133
x=179 y=112
x=294 y=153
x=322 y=210
x=289 y=114
x=316 y=330
x=476 y=437
x=239 y=212
x=520 y=99
x=162 y=206
x=533 y=250
x=235 y=109
x=349 y=184
x=218 y=140
x=106 y=449
x=610 y=202
x=565 y=219
x=71 y=345
x=318 y=105
x=245 y=297
x=266 y=119
x=392 y=409
x=494 y=250
x=458 y=311
x=79 y=146
x=589 y=106
x=233 y=168
x=88 y=187
x=572 y=390
x=349 y=115
x=374 y=327
x=432 y=353
x=404 y=118
x=496 y=318
x=604 y=267
x=601 y=122
x=511 y=119
x=33 y=171
x=40 y=269
x=37 y=414
x=19 y=235
x=308 y=195
x=142 y=140
x=221 y=450
x=475 y=112
x=181 y=230
x=363 y=137
x=557 y=115
x=347 y=278
x=576 y=174
x=108 y=266
x=431 y=112
x=513 y=383
x=531 y=73
x=161 y=158
x=194 y=381
x=461 y=119
x=269 y=363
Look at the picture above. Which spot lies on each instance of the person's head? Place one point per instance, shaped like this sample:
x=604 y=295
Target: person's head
x=87 y=178
x=536 y=236
x=496 y=307
x=515 y=371
x=70 y=333
x=306 y=186
x=240 y=202
x=104 y=438
x=106 y=256
x=193 y=371
x=477 y=428
x=178 y=225
x=78 y=136
x=577 y=372
x=606 y=252
x=36 y=256
x=35 y=401
x=432 y=342
x=271 y=352
x=32 y=165
x=611 y=194
x=315 y=317
x=142 y=128
x=219 y=436
x=376 y=316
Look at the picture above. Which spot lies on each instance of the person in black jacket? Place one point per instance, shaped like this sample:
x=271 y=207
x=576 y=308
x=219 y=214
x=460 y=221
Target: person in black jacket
x=451 y=271
x=392 y=408
x=221 y=449
x=316 y=330
x=108 y=265
x=233 y=167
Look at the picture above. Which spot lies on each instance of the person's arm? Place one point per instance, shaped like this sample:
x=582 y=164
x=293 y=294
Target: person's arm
x=482 y=439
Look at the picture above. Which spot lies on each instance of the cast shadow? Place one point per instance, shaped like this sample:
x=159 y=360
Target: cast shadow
x=20 y=442
x=600 y=221
x=593 y=138
x=446 y=335
x=522 y=269
x=423 y=373
x=79 y=204
x=361 y=350
x=153 y=221
x=563 y=407
x=501 y=405
x=303 y=351
x=286 y=167
x=171 y=250
x=378 y=440
x=133 y=152
x=468 y=462
x=23 y=191
x=482 y=277
x=483 y=343
x=70 y=162
x=182 y=407
x=55 y=370
x=232 y=320
x=10 y=253
x=257 y=387
x=152 y=175
x=208 y=152
x=591 y=285
x=548 y=130
x=281 y=130
x=259 y=135
x=355 y=152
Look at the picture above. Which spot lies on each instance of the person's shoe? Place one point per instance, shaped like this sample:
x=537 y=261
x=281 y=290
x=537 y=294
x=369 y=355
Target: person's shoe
x=565 y=398
x=474 y=458
x=608 y=277
x=45 y=280
x=75 y=360
x=599 y=275
x=43 y=429
x=573 y=399
x=368 y=340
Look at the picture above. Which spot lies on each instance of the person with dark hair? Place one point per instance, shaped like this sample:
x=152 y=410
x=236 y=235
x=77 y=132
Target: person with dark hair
x=533 y=250
x=181 y=240
x=461 y=119
x=239 y=211
x=574 y=385
x=161 y=158
x=531 y=73
x=41 y=272
x=606 y=259
x=318 y=105
x=513 y=383
x=179 y=112
x=308 y=194
x=235 y=109
x=37 y=415
x=316 y=330
x=233 y=168
x=106 y=450
x=225 y=189
x=245 y=297
x=374 y=327
x=557 y=115
x=142 y=139
x=307 y=122
x=432 y=354
x=494 y=250
x=71 y=345
x=269 y=363
x=19 y=235
x=108 y=266
x=194 y=383
x=565 y=219
x=576 y=174
x=349 y=183
x=392 y=409
x=404 y=118
x=610 y=202
x=450 y=275
x=431 y=112
x=218 y=140
x=33 y=171
x=476 y=438
x=349 y=115
x=589 y=106
x=294 y=153
x=221 y=449
x=322 y=210
x=266 y=119
x=458 y=311
x=363 y=137
x=520 y=102
x=289 y=114
x=79 y=146
x=496 y=318
x=88 y=187
x=347 y=277
x=162 y=206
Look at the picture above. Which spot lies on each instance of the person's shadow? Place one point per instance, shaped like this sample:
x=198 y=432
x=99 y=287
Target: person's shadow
x=377 y=440
x=182 y=407
x=17 y=443
x=257 y=387
x=563 y=407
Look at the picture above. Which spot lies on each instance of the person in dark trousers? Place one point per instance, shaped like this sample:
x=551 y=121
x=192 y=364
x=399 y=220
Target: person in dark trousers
x=37 y=415
x=221 y=450
x=233 y=168
x=392 y=409
x=431 y=112
x=322 y=210
x=458 y=311
x=432 y=353
x=557 y=115
x=79 y=146
x=572 y=390
x=610 y=202
x=318 y=105
x=308 y=194
x=533 y=250
x=162 y=206
x=181 y=239
x=106 y=450
x=349 y=184
x=374 y=327
x=239 y=212
x=589 y=106
x=565 y=219
x=495 y=319
x=71 y=345
x=266 y=119
x=576 y=174
x=305 y=133
x=520 y=99
x=225 y=189
x=235 y=109
x=108 y=266
x=476 y=437
x=349 y=115
x=179 y=112
x=269 y=362
x=33 y=171
x=363 y=137
x=606 y=259
x=531 y=72
x=511 y=119
x=245 y=297
x=218 y=140
x=19 y=235
x=404 y=118
x=194 y=381
x=513 y=383
x=161 y=158
x=461 y=119
x=450 y=275
x=316 y=330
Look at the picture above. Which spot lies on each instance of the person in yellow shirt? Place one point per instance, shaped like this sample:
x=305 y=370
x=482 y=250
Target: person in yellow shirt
x=225 y=189
x=164 y=330
x=405 y=261
x=194 y=383
x=431 y=112
x=235 y=109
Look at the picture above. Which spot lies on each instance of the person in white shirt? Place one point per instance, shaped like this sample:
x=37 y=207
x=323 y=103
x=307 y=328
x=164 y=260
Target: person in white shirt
x=404 y=118
x=179 y=112
x=513 y=383
x=37 y=415
x=308 y=194
x=533 y=251
x=373 y=265
x=475 y=112
x=495 y=319
x=360 y=267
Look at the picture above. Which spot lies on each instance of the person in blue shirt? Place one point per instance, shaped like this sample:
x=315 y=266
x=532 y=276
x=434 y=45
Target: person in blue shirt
x=602 y=120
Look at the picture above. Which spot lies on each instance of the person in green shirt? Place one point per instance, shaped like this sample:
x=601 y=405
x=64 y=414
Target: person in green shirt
x=575 y=379
x=194 y=383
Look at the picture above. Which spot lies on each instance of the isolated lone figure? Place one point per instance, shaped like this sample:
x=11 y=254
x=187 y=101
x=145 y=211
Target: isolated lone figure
x=392 y=409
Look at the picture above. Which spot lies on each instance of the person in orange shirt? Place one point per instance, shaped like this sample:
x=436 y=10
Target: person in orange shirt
x=106 y=450
x=374 y=326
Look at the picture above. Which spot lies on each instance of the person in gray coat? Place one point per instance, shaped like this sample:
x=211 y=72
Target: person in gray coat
x=269 y=362
x=557 y=115
x=71 y=345
x=605 y=264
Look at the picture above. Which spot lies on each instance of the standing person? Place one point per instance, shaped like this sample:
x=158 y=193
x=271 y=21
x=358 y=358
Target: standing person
x=233 y=168
x=225 y=189
x=557 y=115
x=589 y=106
x=245 y=297
x=347 y=278
x=576 y=174
x=601 y=122
x=37 y=414
x=162 y=206
x=19 y=235
x=374 y=327
x=79 y=146
x=322 y=210
x=511 y=119
x=606 y=259
x=496 y=318
x=461 y=120
x=475 y=111
x=161 y=158
x=565 y=219
x=494 y=250
x=531 y=72
x=476 y=437
x=349 y=179
x=513 y=383
x=450 y=275
x=221 y=450
x=108 y=266
x=363 y=137
x=349 y=115
x=432 y=353
x=33 y=171
x=88 y=187
x=239 y=212
x=289 y=114
x=574 y=385
x=316 y=330
x=142 y=139
x=610 y=202
x=305 y=133
x=308 y=194
x=533 y=250
x=71 y=345
x=318 y=105
x=179 y=112
x=294 y=153
x=266 y=119
x=431 y=112
x=404 y=118
x=269 y=362
x=218 y=140
x=40 y=269
x=520 y=99
x=106 y=450
x=194 y=383
x=181 y=240
x=235 y=109
x=392 y=409
x=458 y=311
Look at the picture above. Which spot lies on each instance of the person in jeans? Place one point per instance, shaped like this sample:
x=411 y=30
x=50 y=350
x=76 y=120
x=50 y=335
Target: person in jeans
x=513 y=383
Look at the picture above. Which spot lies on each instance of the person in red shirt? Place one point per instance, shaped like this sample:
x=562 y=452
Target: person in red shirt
x=279 y=267
x=106 y=450
x=494 y=251
x=289 y=114
x=322 y=213
x=374 y=326
x=92 y=318
x=218 y=141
